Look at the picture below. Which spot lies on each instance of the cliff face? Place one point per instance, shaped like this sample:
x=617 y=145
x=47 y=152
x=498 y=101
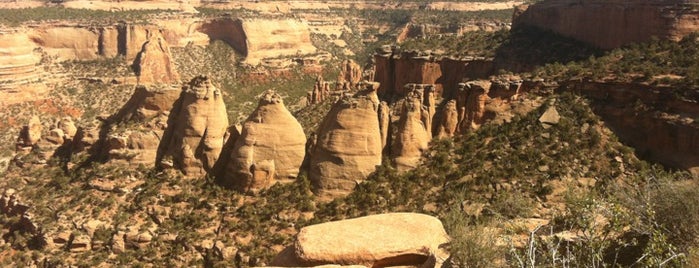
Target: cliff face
x=660 y=126
x=610 y=24
x=18 y=61
x=393 y=70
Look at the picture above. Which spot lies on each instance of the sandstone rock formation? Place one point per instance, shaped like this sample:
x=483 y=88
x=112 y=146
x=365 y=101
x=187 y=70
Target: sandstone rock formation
x=613 y=23
x=18 y=61
x=449 y=120
x=385 y=240
x=348 y=146
x=154 y=64
x=260 y=39
x=413 y=130
x=271 y=147
x=321 y=91
x=350 y=72
x=147 y=112
x=30 y=134
x=196 y=128
x=394 y=69
x=470 y=103
x=666 y=131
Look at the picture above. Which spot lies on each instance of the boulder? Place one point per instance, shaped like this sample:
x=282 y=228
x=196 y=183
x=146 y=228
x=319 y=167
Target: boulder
x=196 y=128
x=271 y=147
x=348 y=146
x=30 y=133
x=550 y=117
x=68 y=127
x=393 y=239
x=154 y=64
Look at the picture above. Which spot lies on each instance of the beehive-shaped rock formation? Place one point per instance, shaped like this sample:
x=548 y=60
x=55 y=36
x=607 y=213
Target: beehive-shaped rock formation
x=271 y=147
x=348 y=146
x=196 y=128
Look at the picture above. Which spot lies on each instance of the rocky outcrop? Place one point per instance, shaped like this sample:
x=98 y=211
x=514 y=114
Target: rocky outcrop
x=147 y=112
x=653 y=120
x=449 y=120
x=154 y=64
x=394 y=69
x=350 y=72
x=19 y=62
x=30 y=134
x=321 y=91
x=271 y=147
x=348 y=146
x=196 y=129
x=470 y=101
x=611 y=24
x=414 y=127
x=260 y=39
x=385 y=240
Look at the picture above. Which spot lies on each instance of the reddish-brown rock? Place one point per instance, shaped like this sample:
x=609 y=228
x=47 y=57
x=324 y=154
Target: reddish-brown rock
x=613 y=23
x=350 y=72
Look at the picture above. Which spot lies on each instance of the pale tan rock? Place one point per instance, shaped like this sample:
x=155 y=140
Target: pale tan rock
x=393 y=239
x=270 y=148
x=118 y=243
x=80 y=243
x=412 y=137
x=146 y=103
x=30 y=133
x=550 y=117
x=55 y=136
x=68 y=127
x=196 y=135
x=384 y=123
x=19 y=62
x=348 y=146
x=449 y=120
x=154 y=64
x=67 y=42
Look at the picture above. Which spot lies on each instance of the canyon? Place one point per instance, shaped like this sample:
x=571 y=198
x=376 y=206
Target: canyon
x=633 y=21
x=249 y=134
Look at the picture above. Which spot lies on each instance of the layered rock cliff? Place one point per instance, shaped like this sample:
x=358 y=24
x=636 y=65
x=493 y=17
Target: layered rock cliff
x=196 y=129
x=653 y=120
x=610 y=24
x=348 y=146
x=394 y=69
x=259 y=39
x=270 y=148
x=19 y=62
